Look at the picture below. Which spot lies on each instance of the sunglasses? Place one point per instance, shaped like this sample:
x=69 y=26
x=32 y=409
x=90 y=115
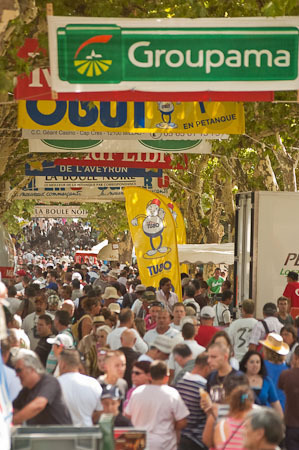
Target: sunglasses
x=136 y=373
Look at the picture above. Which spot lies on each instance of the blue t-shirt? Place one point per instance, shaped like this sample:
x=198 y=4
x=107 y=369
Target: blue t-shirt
x=267 y=394
x=274 y=371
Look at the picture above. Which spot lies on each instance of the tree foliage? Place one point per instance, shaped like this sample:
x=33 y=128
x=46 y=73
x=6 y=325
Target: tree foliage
x=265 y=158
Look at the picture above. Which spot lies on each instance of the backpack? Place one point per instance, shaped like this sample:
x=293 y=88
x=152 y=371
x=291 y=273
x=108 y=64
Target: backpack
x=76 y=328
x=220 y=323
x=267 y=331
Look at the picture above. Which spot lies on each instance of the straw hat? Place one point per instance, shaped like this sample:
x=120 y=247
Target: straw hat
x=275 y=343
x=110 y=292
x=114 y=307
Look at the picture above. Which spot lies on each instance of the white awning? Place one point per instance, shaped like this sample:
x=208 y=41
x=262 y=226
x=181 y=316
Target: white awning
x=99 y=246
x=206 y=253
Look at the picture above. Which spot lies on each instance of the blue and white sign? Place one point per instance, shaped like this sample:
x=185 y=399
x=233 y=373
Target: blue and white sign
x=48 y=168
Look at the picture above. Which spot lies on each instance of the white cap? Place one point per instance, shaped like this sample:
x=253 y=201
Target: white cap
x=62 y=339
x=207 y=312
x=77 y=275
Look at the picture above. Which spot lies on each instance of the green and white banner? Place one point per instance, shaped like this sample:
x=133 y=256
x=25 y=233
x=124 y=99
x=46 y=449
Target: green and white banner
x=165 y=55
x=118 y=146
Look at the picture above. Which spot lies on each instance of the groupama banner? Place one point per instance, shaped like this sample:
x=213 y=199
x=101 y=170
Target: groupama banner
x=132 y=117
x=36 y=85
x=235 y=54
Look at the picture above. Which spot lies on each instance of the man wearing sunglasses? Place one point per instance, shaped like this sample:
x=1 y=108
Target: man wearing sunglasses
x=40 y=402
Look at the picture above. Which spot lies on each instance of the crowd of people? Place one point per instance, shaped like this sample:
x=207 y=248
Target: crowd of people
x=57 y=238
x=86 y=340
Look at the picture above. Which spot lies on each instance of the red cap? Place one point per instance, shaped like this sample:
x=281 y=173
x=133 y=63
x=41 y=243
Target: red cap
x=21 y=272
x=156 y=201
x=170 y=205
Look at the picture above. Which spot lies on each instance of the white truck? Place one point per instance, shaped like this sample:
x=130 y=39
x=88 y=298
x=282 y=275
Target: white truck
x=266 y=245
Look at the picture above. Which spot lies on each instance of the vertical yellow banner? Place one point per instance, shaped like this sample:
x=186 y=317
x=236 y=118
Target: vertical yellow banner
x=153 y=233
x=179 y=224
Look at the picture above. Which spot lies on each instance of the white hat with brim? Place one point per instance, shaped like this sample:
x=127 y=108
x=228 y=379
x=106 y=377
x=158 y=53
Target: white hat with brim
x=114 y=307
x=163 y=343
x=110 y=292
x=275 y=343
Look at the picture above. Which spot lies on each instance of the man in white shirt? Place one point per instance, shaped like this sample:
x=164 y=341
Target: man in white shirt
x=165 y=295
x=126 y=320
x=222 y=313
x=82 y=394
x=240 y=330
x=30 y=322
x=270 y=324
x=159 y=409
x=163 y=327
x=188 y=333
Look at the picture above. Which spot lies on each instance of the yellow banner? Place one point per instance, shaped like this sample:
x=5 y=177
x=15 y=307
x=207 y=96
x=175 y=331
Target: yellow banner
x=154 y=236
x=138 y=117
x=179 y=225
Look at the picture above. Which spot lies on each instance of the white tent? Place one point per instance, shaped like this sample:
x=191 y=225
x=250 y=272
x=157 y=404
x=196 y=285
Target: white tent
x=206 y=253
x=99 y=246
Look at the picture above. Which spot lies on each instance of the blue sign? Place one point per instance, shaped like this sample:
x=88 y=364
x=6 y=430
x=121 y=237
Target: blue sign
x=48 y=168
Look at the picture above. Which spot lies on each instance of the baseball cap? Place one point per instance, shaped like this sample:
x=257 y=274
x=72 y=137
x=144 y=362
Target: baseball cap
x=162 y=343
x=61 y=339
x=104 y=268
x=21 y=272
x=207 y=312
x=52 y=286
x=77 y=275
x=111 y=391
x=149 y=296
x=54 y=300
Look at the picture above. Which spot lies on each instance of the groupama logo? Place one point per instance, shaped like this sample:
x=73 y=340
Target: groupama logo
x=92 y=62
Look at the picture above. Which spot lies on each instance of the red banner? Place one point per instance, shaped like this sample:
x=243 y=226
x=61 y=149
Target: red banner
x=7 y=272
x=134 y=160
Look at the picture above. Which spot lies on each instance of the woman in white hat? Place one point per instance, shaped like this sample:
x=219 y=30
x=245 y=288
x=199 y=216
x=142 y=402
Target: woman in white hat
x=274 y=352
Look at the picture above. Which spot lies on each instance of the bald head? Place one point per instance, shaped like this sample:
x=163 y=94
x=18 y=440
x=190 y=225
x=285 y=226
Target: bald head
x=128 y=338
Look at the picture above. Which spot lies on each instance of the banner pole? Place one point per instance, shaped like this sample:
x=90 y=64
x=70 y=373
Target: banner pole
x=50 y=12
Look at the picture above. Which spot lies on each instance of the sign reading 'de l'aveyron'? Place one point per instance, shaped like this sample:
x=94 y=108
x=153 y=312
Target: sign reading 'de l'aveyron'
x=165 y=55
x=49 y=168
x=136 y=117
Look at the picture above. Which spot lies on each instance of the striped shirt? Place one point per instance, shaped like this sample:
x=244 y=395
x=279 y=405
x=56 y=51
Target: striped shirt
x=233 y=440
x=188 y=388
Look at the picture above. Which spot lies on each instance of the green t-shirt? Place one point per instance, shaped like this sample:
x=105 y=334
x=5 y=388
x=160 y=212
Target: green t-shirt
x=215 y=285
